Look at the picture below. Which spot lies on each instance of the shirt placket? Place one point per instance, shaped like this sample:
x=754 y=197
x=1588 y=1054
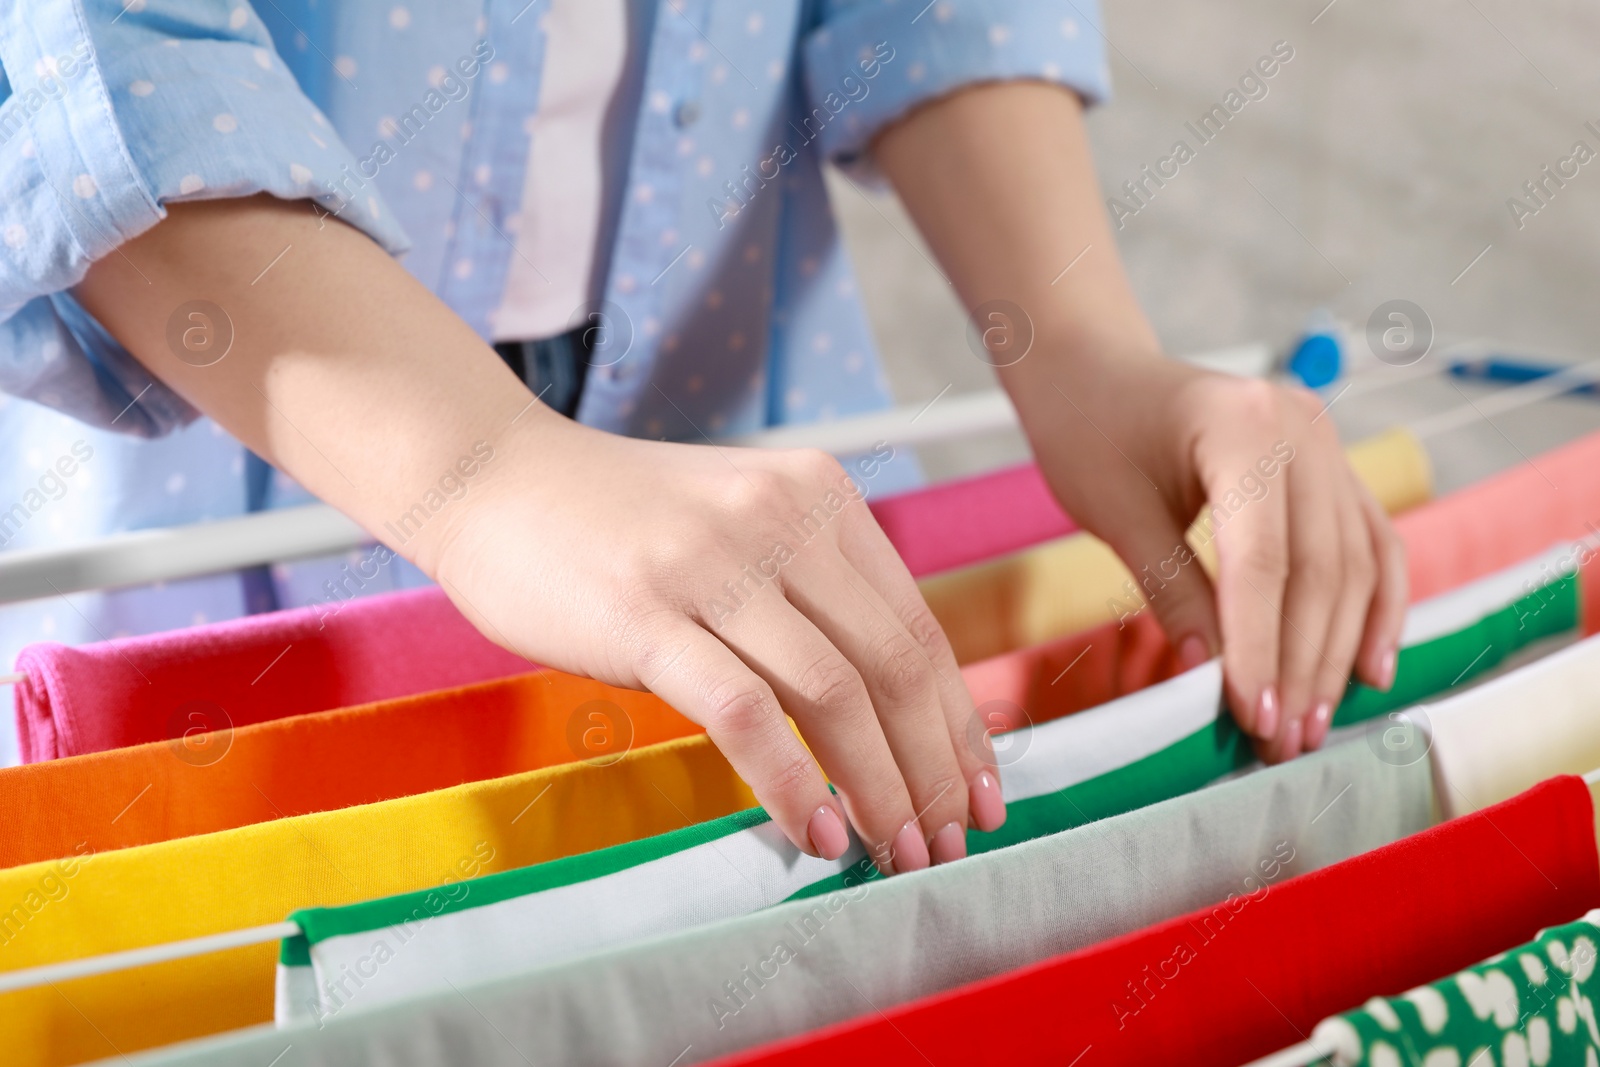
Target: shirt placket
x=494 y=162
x=612 y=392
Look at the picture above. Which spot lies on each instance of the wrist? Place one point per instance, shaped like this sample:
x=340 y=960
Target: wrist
x=1093 y=360
x=1086 y=384
x=499 y=464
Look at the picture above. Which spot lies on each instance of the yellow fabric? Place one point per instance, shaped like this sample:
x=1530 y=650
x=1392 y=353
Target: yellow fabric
x=1077 y=582
x=1395 y=467
x=260 y=873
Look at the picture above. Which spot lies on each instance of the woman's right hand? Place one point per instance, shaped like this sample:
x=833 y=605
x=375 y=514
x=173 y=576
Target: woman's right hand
x=592 y=553
x=738 y=585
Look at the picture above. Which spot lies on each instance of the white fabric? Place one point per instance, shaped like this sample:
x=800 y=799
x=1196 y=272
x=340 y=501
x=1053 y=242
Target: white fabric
x=733 y=875
x=576 y=144
x=1492 y=742
x=1076 y=748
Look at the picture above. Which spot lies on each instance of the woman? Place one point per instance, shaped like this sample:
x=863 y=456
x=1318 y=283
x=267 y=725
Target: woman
x=206 y=212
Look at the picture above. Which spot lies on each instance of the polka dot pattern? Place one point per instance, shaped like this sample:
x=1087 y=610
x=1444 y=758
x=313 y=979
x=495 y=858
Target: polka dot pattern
x=1533 y=1007
x=747 y=317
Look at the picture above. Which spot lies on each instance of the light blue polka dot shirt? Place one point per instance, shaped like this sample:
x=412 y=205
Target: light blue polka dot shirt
x=409 y=118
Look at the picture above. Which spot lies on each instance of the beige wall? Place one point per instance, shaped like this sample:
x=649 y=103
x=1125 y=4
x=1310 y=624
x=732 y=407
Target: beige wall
x=1391 y=140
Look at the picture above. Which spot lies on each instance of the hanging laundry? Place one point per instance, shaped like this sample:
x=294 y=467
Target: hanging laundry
x=219 y=882
x=1493 y=523
x=1532 y=1005
x=140 y=689
x=334 y=759
x=1152 y=747
x=1224 y=985
x=969 y=520
x=1488 y=743
x=728 y=986
x=352 y=650
x=1154 y=744
x=167 y=789
x=349 y=650
x=1078 y=582
x=1310 y=945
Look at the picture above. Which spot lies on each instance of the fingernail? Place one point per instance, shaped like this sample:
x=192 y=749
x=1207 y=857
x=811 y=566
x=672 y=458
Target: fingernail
x=1192 y=652
x=828 y=838
x=910 y=851
x=1291 y=739
x=950 y=843
x=1267 y=714
x=987 y=805
x=1386 y=670
x=1317 y=725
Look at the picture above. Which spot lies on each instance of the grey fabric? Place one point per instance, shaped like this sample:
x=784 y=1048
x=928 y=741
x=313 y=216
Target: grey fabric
x=882 y=943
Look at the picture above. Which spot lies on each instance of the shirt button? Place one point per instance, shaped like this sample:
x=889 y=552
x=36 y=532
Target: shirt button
x=688 y=113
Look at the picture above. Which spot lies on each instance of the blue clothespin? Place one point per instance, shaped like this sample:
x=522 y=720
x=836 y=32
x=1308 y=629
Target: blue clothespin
x=1318 y=357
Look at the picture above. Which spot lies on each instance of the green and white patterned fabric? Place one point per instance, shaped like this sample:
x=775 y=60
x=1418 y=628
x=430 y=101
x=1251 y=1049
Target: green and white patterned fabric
x=1159 y=743
x=1530 y=1007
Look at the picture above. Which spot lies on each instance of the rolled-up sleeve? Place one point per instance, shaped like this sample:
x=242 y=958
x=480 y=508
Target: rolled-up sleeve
x=110 y=110
x=869 y=62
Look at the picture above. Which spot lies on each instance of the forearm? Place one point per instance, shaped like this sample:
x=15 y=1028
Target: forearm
x=999 y=180
x=343 y=370
x=1311 y=578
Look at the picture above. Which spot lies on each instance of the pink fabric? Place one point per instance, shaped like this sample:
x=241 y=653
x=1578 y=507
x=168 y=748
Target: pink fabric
x=1494 y=523
x=130 y=691
x=137 y=689
x=1072 y=673
x=975 y=519
x=1472 y=532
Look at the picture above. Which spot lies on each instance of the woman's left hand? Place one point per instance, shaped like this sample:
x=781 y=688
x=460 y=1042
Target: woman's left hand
x=1312 y=580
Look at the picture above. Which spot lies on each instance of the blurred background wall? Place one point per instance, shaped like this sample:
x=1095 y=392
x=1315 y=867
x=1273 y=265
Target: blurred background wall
x=1391 y=142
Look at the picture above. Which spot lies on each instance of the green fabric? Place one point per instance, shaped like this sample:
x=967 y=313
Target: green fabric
x=1432 y=667
x=1423 y=670
x=1532 y=1005
x=319 y=924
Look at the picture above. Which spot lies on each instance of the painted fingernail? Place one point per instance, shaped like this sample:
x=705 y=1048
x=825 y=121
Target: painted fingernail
x=1267 y=713
x=910 y=851
x=1317 y=724
x=988 y=806
x=828 y=838
x=1386 y=670
x=1192 y=652
x=1291 y=739
x=950 y=843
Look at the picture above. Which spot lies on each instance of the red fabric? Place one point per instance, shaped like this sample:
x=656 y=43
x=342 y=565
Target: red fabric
x=129 y=691
x=1228 y=985
x=971 y=520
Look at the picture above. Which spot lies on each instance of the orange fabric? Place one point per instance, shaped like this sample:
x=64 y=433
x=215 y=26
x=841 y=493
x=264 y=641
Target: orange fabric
x=321 y=762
